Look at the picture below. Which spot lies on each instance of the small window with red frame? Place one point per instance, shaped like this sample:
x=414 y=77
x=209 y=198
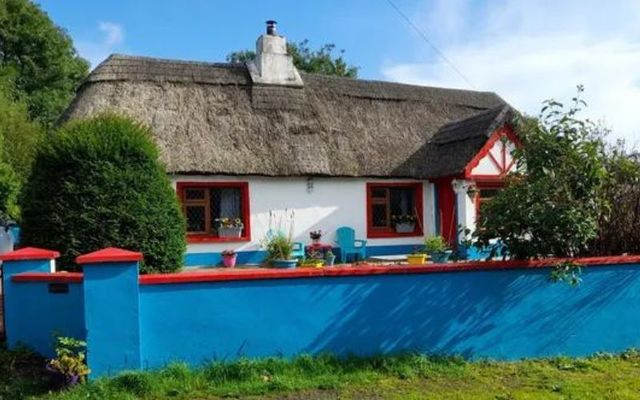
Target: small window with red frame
x=394 y=210
x=215 y=211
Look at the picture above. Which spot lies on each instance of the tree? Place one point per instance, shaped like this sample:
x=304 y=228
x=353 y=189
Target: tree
x=552 y=208
x=97 y=183
x=19 y=135
x=321 y=61
x=9 y=191
x=40 y=58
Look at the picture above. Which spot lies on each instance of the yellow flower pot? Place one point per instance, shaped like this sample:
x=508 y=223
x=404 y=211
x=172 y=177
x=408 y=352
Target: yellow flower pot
x=315 y=264
x=417 y=259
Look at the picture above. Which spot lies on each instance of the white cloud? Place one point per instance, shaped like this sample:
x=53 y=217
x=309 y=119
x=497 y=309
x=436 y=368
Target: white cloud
x=530 y=51
x=110 y=38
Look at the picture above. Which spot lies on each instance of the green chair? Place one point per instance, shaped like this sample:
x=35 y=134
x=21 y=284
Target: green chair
x=349 y=245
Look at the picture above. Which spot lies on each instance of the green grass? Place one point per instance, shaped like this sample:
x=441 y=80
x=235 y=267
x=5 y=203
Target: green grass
x=393 y=377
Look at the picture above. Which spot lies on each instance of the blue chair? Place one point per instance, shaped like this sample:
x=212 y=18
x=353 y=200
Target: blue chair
x=348 y=244
x=298 y=251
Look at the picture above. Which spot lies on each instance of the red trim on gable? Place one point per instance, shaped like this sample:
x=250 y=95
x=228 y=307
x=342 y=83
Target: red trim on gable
x=58 y=277
x=108 y=255
x=364 y=270
x=505 y=131
x=29 y=253
x=246 y=213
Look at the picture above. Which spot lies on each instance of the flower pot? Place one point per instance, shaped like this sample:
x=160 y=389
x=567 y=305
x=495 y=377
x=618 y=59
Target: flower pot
x=405 y=227
x=229 y=261
x=330 y=260
x=60 y=381
x=441 y=257
x=230 y=232
x=417 y=259
x=284 y=263
x=313 y=264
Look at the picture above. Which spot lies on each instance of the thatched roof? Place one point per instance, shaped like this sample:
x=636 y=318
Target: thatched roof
x=211 y=119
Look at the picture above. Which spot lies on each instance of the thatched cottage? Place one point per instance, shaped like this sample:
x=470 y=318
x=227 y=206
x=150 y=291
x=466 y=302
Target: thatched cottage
x=248 y=141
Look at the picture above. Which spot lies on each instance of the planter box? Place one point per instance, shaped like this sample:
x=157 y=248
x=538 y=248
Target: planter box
x=230 y=232
x=405 y=228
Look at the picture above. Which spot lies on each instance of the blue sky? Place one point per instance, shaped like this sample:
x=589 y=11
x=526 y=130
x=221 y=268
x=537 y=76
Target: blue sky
x=524 y=50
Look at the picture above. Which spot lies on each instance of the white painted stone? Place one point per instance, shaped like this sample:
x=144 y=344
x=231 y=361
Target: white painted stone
x=272 y=65
x=331 y=203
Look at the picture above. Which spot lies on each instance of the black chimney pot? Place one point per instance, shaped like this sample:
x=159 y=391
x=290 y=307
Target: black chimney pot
x=271 y=27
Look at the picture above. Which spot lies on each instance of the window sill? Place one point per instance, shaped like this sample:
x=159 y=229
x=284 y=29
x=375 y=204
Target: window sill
x=390 y=234
x=215 y=239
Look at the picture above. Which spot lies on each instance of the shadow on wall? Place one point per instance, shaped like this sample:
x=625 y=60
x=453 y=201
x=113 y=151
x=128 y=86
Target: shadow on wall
x=506 y=315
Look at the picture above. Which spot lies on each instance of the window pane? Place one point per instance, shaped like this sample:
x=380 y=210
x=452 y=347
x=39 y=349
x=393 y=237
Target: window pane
x=195 y=218
x=194 y=194
x=379 y=193
x=379 y=212
x=402 y=201
x=226 y=203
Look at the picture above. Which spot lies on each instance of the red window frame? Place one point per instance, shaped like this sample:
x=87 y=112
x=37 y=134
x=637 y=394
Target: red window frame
x=246 y=213
x=389 y=232
x=488 y=184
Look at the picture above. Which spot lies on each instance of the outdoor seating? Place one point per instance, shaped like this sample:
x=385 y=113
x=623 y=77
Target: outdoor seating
x=349 y=245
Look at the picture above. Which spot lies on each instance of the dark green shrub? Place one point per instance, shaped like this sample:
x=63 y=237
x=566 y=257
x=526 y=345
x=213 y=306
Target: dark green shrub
x=97 y=183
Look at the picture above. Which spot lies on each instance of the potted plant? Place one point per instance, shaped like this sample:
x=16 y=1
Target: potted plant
x=329 y=258
x=437 y=249
x=229 y=227
x=404 y=223
x=229 y=258
x=68 y=367
x=315 y=236
x=417 y=257
x=279 y=249
x=314 y=259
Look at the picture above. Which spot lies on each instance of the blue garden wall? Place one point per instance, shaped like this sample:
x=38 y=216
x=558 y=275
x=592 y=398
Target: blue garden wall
x=496 y=314
x=495 y=310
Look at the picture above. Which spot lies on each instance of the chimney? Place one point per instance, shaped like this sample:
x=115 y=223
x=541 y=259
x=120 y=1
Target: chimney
x=273 y=65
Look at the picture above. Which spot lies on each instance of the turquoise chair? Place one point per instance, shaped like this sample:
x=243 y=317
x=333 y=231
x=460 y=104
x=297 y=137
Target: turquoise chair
x=298 y=251
x=348 y=244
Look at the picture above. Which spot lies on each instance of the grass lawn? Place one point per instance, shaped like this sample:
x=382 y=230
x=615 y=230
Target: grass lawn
x=398 y=377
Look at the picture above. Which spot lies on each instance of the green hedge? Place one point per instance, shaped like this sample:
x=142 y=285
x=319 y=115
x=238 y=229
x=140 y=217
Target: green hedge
x=98 y=183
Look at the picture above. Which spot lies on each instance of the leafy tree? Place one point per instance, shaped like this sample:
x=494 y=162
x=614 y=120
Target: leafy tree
x=40 y=58
x=321 y=61
x=619 y=221
x=20 y=136
x=9 y=190
x=97 y=183
x=551 y=209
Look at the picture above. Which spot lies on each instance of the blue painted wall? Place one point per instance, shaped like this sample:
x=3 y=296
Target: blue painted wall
x=497 y=314
x=33 y=315
x=111 y=296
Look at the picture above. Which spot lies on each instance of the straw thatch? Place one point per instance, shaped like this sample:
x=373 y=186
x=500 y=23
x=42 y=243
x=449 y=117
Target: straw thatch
x=210 y=119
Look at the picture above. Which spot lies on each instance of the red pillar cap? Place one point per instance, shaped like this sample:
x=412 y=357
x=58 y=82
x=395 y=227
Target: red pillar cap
x=109 y=255
x=29 y=253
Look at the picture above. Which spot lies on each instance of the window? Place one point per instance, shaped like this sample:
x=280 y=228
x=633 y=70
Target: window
x=394 y=209
x=215 y=211
x=486 y=192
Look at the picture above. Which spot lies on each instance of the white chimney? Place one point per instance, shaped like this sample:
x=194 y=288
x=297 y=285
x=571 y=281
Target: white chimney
x=273 y=65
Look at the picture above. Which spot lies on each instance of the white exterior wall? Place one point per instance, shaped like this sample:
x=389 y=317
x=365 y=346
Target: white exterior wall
x=333 y=202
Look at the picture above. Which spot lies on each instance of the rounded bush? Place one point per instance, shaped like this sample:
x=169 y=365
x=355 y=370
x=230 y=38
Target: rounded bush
x=97 y=183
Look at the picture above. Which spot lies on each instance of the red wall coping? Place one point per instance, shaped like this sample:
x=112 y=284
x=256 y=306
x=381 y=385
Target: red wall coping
x=57 y=277
x=109 y=255
x=29 y=253
x=226 y=275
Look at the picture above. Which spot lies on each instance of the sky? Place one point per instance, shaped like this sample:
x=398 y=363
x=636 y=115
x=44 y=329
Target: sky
x=524 y=50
